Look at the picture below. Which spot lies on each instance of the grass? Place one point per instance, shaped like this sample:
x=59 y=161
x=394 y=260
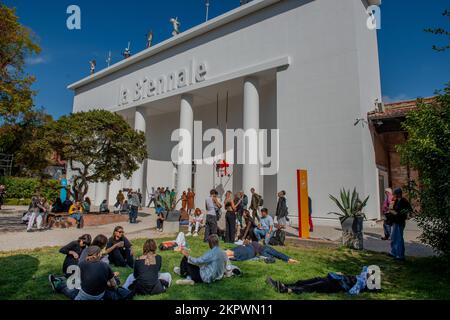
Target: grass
x=23 y=275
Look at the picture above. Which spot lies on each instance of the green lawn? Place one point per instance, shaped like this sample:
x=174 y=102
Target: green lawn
x=23 y=275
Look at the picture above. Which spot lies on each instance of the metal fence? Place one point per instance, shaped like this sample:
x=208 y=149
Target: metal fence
x=6 y=161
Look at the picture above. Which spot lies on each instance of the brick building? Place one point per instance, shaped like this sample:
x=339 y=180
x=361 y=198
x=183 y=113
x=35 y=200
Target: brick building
x=388 y=134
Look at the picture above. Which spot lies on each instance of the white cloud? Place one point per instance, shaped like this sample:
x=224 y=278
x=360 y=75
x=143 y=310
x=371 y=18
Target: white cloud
x=397 y=98
x=32 y=61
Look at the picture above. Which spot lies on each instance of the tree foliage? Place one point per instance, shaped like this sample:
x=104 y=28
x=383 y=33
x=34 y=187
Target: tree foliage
x=99 y=146
x=23 y=139
x=441 y=32
x=16 y=43
x=428 y=150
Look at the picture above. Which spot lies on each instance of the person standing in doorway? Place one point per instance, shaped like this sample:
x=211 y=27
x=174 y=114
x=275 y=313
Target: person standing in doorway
x=212 y=204
x=255 y=203
x=388 y=204
x=190 y=201
x=400 y=212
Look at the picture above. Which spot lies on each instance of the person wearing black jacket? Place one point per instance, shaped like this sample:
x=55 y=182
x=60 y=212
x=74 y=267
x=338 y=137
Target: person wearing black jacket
x=400 y=212
x=146 y=277
x=282 y=210
x=122 y=255
x=73 y=251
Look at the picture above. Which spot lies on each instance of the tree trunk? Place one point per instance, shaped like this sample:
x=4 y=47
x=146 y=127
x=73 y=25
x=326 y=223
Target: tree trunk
x=80 y=188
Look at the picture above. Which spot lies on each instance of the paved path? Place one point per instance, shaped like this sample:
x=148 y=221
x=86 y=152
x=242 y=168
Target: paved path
x=14 y=237
x=372 y=238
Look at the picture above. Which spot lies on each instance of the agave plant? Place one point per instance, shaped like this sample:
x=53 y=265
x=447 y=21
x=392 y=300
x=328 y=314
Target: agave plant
x=350 y=206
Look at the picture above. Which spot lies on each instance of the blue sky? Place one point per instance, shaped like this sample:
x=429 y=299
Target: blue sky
x=409 y=67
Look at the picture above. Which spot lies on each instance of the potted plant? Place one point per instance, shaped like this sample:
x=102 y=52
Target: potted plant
x=351 y=217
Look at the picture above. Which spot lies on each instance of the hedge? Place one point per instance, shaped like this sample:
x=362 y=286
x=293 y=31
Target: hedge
x=26 y=188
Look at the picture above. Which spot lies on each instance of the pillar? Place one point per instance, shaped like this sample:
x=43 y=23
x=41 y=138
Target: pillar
x=250 y=171
x=184 y=176
x=137 y=180
x=101 y=193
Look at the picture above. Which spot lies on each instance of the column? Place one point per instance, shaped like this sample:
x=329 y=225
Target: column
x=184 y=176
x=101 y=193
x=250 y=171
x=137 y=180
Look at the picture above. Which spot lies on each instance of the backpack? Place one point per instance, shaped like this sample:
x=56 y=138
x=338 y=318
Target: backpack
x=278 y=238
x=261 y=201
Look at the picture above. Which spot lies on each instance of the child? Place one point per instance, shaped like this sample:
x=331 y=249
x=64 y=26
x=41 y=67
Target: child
x=197 y=219
x=160 y=218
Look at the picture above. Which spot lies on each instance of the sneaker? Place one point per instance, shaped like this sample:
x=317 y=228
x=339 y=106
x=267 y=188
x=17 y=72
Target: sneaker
x=54 y=282
x=177 y=270
x=196 y=234
x=185 y=282
x=188 y=234
x=239 y=243
x=385 y=238
x=277 y=285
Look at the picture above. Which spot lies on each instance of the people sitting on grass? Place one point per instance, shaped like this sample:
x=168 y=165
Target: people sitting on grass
x=208 y=268
x=100 y=241
x=98 y=281
x=248 y=231
x=252 y=249
x=265 y=227
x=147 y=277
x=104 y=207
x=196 y=221
x=73 y=251
x=121 y=254
x=76 y=212
x=333 y=282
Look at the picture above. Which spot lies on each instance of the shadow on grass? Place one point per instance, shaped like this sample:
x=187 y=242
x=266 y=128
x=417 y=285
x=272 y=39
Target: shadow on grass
x=15 y=272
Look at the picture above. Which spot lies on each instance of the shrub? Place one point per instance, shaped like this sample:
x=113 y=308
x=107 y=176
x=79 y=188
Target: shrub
x=428 y=151
x=25 y=188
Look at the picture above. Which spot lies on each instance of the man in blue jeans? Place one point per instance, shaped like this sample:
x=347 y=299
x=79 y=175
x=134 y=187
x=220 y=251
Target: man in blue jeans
x=400 y=212
x=264 y=230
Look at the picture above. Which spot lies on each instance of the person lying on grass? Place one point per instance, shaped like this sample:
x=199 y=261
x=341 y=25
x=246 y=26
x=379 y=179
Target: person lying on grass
x=334 y=282
x=252 y=249
x=208 y=268
x=121 y=254
x=146 y=277
x=97 y=281
x=73 y=251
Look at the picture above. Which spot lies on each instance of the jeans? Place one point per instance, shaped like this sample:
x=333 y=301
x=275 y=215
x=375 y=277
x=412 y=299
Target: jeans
x=262 y=233
x=84 y=296
x=164 y=276
x=230 y=228
x=397 y=242
x=159 y=223
x=121 y=257
x=387 y=229
x=211 y=225
x=190 y=270
x=320 y=285
x=76 y=216
x=35 y=217
x=268 y=251
x=133 y=214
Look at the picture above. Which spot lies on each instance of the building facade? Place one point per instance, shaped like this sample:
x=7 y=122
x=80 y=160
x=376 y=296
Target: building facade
x=304 y=68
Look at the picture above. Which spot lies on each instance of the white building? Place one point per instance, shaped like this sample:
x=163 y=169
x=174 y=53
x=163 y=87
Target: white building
x=306 y=67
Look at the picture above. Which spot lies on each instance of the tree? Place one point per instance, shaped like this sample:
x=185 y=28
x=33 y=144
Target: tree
x=23 y=139
x=16 y=43
x=428 y=151
x=441 y=32
x=99 y=146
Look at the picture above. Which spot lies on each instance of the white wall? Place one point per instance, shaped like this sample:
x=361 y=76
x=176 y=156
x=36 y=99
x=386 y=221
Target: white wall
x=332 y=80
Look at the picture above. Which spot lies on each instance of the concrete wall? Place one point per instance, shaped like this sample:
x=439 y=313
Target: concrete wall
x=333 y=79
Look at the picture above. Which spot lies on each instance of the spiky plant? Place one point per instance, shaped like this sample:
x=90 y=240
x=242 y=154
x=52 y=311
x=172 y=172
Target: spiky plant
x=350 y=206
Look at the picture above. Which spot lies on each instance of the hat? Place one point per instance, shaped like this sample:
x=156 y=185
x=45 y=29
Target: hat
x=388 y=190
x=398 y=191
x=93 y=250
